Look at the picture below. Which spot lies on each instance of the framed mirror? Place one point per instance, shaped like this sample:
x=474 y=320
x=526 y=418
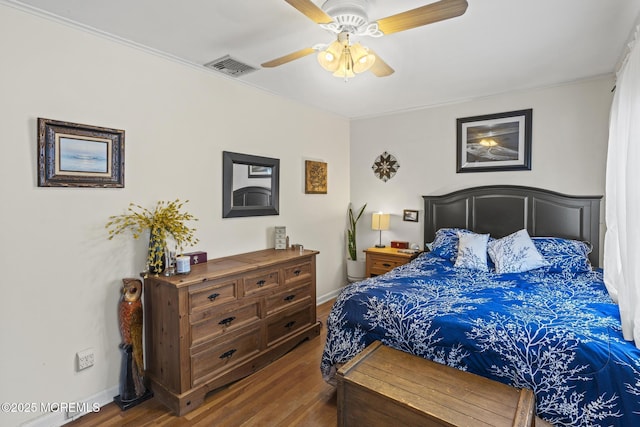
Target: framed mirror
x=250 y=185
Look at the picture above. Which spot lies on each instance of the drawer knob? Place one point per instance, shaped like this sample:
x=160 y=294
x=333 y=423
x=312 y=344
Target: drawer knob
x=228 y=354
x=297 y=272
x=290 y=324
x=213 y=296
x=227 y=321
x=261 y=283
x=386 y=264
x=289 y=297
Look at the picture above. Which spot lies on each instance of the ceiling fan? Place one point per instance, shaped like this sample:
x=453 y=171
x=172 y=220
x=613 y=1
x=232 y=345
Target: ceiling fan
x=348 y=18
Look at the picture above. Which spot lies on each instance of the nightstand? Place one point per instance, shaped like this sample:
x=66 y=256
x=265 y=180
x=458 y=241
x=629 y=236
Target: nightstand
x=382 y=260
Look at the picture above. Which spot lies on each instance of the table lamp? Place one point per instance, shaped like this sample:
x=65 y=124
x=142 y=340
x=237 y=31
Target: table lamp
x=380 y=221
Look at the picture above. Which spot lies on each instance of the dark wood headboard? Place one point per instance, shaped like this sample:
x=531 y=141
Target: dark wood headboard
x=503 y=209
x=252 y=196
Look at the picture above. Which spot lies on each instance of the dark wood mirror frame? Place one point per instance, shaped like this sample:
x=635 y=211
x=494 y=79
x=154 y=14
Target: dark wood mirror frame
x=228 y=208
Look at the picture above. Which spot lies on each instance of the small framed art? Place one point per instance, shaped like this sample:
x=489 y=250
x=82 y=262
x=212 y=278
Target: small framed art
x=494 y=142
x=75 y=155
x=410 y=215
x=315 y=177
x=256 y=171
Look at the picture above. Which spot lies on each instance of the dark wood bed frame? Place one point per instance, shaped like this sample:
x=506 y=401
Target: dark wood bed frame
x=503 y=209
x=252 y=196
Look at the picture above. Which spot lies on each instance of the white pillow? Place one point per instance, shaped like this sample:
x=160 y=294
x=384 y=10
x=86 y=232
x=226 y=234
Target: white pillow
x=472 y=251
x=515 y=253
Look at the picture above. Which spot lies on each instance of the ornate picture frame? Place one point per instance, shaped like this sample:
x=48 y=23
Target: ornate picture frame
x=494 y=142
x=77 y=155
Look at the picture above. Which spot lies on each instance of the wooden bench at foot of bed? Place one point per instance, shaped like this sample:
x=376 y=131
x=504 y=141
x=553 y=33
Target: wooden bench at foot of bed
x=383 y=386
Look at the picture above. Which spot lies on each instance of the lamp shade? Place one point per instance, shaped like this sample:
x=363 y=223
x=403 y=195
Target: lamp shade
x=362 y=59
x=330 y=58
x=380 y=221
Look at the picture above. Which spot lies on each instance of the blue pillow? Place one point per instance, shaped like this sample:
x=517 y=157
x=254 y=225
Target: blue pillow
x=515 y=253
x=445 y=243
x=564 y=255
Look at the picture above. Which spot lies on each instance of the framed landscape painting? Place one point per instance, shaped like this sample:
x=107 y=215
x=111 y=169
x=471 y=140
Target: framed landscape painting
x=494 y=142
x=256 y=171
x=75 y=155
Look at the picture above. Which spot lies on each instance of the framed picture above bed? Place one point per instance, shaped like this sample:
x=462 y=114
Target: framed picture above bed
x=257 y=171
x=494 y=142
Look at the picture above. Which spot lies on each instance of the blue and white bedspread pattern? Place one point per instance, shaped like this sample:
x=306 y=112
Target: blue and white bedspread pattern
x=557 y=334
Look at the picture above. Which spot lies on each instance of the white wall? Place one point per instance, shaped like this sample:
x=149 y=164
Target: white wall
x=60 y=274
x=569 y=146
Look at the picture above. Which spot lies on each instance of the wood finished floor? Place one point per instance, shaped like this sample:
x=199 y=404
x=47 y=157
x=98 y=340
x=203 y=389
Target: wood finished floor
x=288 y=392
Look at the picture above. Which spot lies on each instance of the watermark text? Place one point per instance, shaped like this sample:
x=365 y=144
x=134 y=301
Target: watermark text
x=71 y=407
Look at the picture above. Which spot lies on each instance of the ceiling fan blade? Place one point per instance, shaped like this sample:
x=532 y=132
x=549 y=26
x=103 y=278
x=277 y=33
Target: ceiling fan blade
x=311 y=11
x=288 y=58
x=379 y=67
x=434 y=12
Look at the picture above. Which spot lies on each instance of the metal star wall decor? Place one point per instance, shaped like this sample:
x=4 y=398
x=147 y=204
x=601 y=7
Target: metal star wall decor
x=385 y=166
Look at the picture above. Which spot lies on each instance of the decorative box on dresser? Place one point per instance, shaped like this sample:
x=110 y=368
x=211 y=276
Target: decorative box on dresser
x=224 y=320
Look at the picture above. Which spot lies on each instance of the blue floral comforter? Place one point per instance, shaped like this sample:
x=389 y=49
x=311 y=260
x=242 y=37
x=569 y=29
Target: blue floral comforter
x=555 y=333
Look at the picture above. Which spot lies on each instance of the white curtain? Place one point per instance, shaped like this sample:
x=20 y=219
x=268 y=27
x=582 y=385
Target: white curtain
x=622 y=238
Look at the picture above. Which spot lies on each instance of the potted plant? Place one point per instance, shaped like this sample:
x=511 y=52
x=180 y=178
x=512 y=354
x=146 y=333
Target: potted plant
x=355 y=267
x=163 y=222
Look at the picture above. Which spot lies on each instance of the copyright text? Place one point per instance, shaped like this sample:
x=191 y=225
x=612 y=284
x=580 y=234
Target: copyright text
x=26 y=407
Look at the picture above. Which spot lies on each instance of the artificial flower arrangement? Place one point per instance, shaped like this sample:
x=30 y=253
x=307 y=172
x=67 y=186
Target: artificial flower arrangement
x=164 y=221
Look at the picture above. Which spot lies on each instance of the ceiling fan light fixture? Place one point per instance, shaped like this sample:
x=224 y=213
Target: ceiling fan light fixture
x=344 y=72
x=344 y=60
x=329 y=58
x=345 y=65
x=362 y=59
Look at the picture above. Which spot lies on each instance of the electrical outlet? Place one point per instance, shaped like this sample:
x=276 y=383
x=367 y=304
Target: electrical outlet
x=85 y=359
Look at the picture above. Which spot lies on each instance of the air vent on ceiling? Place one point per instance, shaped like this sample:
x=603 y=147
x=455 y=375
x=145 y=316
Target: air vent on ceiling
x=229 y=66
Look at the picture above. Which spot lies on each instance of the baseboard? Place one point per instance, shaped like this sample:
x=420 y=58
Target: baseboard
x=61 y=416
x=326 y=297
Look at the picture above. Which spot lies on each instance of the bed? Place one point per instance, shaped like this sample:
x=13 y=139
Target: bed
x=549 y=325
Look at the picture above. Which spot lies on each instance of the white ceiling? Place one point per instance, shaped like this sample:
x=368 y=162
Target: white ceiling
x=497 y=46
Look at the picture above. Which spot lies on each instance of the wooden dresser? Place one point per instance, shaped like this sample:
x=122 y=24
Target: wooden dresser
x=224 y=320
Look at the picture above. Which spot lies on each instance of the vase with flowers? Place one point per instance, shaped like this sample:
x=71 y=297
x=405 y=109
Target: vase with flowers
x=165 y=221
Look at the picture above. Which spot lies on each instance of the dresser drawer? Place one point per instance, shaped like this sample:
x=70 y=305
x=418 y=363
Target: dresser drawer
x=212 y=293
x=287 y=322
x=215 y=322
x=288 y=298
x=297 y=272
x=222 y=356
x=261 y=281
